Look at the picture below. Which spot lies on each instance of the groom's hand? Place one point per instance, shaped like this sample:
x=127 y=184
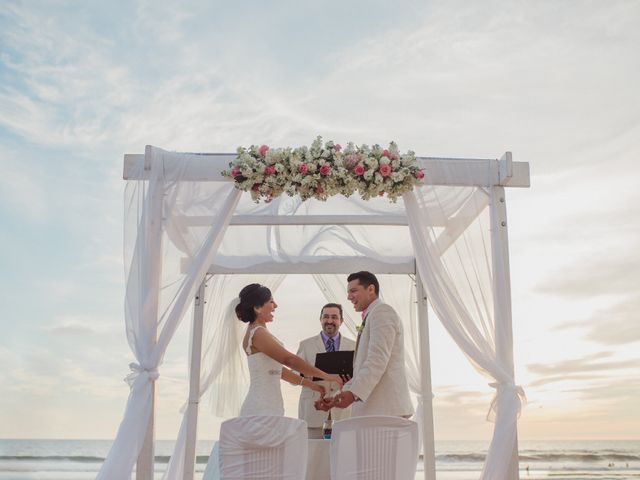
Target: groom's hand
x=324 y=404
x=343 y=399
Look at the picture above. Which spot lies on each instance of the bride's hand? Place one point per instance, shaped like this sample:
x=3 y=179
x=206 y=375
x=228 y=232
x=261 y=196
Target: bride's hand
x=318 y=388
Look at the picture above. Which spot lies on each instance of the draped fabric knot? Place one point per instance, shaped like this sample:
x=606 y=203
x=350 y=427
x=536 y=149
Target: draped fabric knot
x=511 y=394
x=137 y=370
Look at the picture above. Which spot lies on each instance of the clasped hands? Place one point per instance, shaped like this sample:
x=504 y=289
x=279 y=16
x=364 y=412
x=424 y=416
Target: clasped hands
x=342 y=399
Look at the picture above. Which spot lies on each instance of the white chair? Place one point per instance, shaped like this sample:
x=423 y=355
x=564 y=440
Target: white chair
x=374 y=448
x=263 y=447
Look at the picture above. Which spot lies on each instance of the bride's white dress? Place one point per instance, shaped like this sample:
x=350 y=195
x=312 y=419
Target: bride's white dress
x=264 y=396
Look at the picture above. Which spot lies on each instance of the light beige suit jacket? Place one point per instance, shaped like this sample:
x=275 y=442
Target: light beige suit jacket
x=379 y=376
x=306 y=411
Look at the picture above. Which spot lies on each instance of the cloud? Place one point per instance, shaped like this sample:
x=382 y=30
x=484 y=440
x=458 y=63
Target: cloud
x=22 y=186
x=82 y=325
x=617 y=325
x=587 y=364
x=597 y=276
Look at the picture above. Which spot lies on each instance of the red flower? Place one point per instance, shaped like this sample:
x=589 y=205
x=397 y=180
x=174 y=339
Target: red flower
x=325 y=170
x=263 y=150
x=303 y=168
x=235 y=172
x=359 y=170
x=386 y=153
x=419 y=174
x=319 y=190
x=385 y=170
x=269 y=170
x=337 y=147
x=256 y=187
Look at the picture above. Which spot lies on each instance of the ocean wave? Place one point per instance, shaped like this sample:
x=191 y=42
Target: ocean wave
x=550 y=457
x=82 y=458
x=468 y=457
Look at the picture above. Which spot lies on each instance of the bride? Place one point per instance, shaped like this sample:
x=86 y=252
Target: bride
x=268 y=360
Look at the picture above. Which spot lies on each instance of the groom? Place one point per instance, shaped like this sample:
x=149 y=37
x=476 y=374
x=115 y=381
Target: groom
x=379 y=384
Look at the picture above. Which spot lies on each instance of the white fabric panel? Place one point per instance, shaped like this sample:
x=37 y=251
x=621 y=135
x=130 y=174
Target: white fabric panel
x=374 y=448
x=263 y=447
x=149 y=306
x=459 y=285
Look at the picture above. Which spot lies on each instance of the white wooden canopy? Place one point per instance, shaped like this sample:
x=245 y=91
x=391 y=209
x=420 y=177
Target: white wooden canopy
x=491 y=176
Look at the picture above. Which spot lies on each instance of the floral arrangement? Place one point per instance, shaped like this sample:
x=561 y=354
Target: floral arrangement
x=321 y=171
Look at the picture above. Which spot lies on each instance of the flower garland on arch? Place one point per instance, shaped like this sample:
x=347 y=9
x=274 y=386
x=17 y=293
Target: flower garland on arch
x=321 y=171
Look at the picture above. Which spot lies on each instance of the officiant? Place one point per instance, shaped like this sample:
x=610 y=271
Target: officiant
x=328 y=340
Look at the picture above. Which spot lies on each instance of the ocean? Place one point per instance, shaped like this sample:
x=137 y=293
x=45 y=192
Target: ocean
x=462 y=460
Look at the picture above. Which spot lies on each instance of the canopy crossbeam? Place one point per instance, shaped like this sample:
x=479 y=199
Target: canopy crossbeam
x=320 y=265
x=208 y=167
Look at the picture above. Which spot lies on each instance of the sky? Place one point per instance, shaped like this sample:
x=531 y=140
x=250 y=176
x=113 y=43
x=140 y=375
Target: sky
x=81 y=84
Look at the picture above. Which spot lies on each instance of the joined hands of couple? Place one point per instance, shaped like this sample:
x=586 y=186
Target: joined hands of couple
x=339 y=400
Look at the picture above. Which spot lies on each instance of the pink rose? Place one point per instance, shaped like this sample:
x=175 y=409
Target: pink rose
x=385 y=170
x=256 y=187
x=419 y=174
x=381 y=194
x=269 y=170
x=359 y=170
x=386 y=153
x=319 y=190
x=263 y=150
x=303 y=168
x=235 y=172
x=337 y=147
x=325 y=169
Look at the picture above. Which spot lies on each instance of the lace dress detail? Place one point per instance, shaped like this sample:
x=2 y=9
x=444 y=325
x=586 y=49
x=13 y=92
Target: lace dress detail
x=264 y=396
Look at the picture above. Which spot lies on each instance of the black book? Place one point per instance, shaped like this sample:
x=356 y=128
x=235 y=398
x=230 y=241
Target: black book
x=340 y=362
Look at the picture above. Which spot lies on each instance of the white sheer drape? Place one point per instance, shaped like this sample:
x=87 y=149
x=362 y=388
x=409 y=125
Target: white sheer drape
x=224 y=364
x=146 y=204
x=460 y=286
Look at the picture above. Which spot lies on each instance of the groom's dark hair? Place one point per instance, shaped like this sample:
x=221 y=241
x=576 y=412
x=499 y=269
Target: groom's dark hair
x=365 y=278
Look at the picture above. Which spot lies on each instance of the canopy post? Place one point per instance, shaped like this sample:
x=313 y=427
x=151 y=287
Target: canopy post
x=428 y=435
x=502 y=298
x=194 y=384
x=152 y=266
x=145 y=463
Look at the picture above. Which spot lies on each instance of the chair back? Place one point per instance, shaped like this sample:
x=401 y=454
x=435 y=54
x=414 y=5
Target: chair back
x=374 y=448
x=265 y=447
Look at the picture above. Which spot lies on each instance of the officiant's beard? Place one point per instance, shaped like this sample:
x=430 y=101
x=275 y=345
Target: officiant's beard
x=330 y=329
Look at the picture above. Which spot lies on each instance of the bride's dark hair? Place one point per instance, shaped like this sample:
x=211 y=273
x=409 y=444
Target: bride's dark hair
x=253 y=295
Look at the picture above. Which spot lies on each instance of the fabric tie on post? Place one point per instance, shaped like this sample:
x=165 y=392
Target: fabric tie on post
x=136 y=370
x=331 y=345
x=509 y=388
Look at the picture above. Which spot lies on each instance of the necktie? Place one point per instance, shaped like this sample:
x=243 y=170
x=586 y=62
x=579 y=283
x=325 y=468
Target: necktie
x=331 y=345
